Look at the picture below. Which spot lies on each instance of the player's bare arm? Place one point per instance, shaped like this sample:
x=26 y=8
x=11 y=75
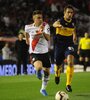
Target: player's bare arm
x=47 y=36
x=41 y=32
x=27 y=38
x=79 y=47
x=57 y=24
x=74 y=37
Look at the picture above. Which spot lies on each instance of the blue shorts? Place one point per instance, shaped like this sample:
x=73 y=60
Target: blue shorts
x=62 y=50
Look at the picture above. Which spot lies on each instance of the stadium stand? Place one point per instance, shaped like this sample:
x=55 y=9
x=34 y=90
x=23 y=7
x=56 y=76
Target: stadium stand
x=14 y=14
x=12 y=20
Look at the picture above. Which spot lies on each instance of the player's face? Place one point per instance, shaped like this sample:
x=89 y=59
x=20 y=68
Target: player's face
x=38 y=19
x=20 y=36
x=86 y=35
x=68 y=14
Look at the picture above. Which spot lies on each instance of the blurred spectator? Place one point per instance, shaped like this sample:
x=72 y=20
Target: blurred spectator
x=14 y=14
x=6 y=52
x=22 y=53
x=54 y=7
x=6 y=20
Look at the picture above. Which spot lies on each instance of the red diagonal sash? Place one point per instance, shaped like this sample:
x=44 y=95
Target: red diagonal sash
x=36 y=38
x=34 y=42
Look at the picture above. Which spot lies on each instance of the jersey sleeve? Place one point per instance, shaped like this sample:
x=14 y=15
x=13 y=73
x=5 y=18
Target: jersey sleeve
x=26 y=29
x=80 y=42
x=47 y=29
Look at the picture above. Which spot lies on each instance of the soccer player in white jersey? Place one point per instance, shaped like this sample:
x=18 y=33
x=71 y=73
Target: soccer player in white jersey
x=37 y=36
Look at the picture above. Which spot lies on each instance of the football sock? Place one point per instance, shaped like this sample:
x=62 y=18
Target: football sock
x=69 y=74
x=57 y=70
x=85 y=65
x=81 y=62
x=45 y=80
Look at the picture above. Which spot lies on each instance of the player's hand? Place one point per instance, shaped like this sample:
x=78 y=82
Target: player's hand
x=78 y=52
x=57 y=24
x=62 y=27
x=41 y=28
x=39 y=32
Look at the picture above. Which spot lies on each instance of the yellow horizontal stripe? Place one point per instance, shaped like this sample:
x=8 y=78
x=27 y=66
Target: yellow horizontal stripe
x=65 y=31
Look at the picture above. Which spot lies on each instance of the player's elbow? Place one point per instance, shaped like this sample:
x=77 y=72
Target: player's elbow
x=54 y=25
x=48 y=38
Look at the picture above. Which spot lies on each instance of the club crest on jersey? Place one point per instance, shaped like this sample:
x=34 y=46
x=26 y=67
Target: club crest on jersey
x=73 y=24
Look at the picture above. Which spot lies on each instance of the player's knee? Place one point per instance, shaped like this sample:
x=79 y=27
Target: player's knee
x=86 y=59
x=81 y=59
x=70 y=60
x=38 y=65
x=70 y=63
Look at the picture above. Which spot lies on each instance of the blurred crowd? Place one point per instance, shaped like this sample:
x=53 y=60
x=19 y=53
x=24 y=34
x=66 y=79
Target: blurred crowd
x=14 y=14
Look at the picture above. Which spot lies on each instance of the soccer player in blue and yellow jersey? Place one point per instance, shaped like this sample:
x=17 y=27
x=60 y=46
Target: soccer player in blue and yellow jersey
x=64 y=45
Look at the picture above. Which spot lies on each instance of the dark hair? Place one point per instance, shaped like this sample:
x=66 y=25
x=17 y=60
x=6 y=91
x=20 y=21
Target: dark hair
x=37 y=12
x=69 y=6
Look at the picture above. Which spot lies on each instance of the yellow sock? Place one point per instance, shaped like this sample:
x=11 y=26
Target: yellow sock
x=57 y=70
x=69 y=74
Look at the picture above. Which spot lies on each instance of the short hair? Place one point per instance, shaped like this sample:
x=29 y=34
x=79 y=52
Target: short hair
x=37 y=12
x=68 y=6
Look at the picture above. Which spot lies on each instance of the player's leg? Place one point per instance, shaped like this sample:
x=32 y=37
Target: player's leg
x=86 y=63
x=69 y=72
x=87 y=58
x=45 y=80
x=37 y=63
x=25 y=65
x=82 y=57
x=46 y=73
x=59 y=57
x=19 y=65
x=38 y=67
x=57 y=70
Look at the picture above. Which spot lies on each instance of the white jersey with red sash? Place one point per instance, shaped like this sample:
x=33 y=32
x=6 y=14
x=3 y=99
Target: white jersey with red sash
x=38 y=43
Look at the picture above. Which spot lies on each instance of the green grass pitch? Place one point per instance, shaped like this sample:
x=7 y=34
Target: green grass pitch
x=27 y=87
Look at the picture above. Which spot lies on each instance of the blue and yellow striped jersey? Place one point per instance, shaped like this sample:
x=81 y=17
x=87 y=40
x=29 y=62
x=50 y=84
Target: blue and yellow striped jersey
x=69 y=27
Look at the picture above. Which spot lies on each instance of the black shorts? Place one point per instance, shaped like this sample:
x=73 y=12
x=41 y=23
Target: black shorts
x=85 y=53
x=44 y=58
x=62 y=50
